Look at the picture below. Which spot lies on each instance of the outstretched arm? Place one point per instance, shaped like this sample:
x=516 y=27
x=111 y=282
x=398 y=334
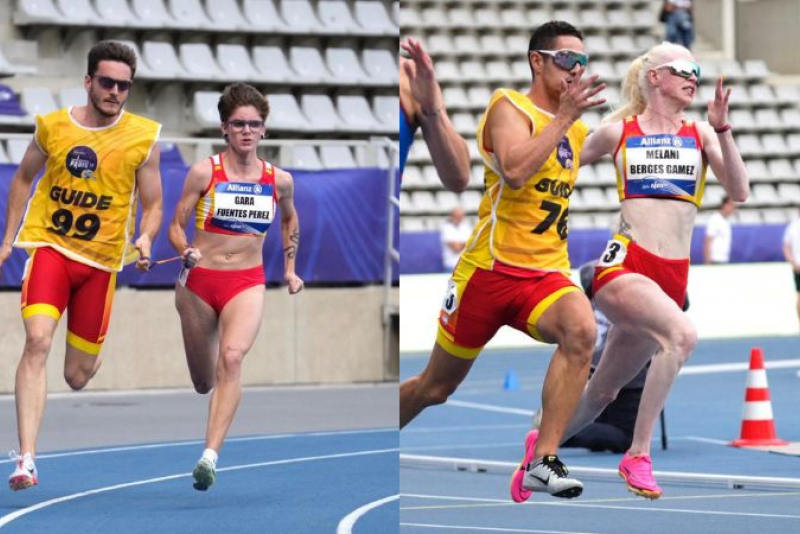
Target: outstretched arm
x=448 y=149
x=720 y=148
x=290 y=229
x=18 y=193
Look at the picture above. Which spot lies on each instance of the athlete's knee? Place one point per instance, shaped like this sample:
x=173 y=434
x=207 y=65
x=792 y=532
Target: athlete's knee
x=683 y=339
x=37 y=345
x=231 y=358
x=579 y=341
x=433 y=393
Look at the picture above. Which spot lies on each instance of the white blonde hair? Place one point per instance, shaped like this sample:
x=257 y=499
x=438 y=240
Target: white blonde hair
x=635 y=90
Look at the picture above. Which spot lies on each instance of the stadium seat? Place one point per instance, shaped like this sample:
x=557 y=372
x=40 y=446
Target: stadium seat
x=72 y=96
x=305 y=157
x=225 y=15
x=412 y=177
x=412 y=224
x=499 y=71
x=262 y=15
x=380 y=66
x=336 y=17
x=356 y=115
x=440 y=44
x=199 y=63
x=446 y=201
x=761 y=95
x=455 y=98
x=468 y=45
x=513 y=18
x=782 y=170
x=307 y=62
x=16 y=148
x=37 y=12
x=38 y=100
x=387 y=111
x=320 y=112
x=272 y=64
x=755 y=70
x=117 y=13
x=345 y=67
x=9 y=69
x=464 y=123
x=789 y=193
x=419 y=153
x=235 y=63
x=790 y=118
x=300 y=16
x=162 y=60
x=372 y=16
x=471 y=201
x=337 y=157
x=406 y=205
x=285 y=114
x=204 y=109
x=765 y=195
x=447 y=71
x=153 y=13
x=76 y=12
x=375 y=156
x=189 y=14
x=774 y=144
x=10 y=110
x=423 y=202
x=757 y=170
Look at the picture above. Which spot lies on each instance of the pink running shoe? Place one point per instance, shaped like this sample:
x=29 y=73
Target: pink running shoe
x=25 y=475
x=518 y=492
x=638 y=473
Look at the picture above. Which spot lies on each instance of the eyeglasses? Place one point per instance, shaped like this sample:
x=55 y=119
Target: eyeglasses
x=682 y=67
x=238 y=125
x=109 y=83
x=566 y=59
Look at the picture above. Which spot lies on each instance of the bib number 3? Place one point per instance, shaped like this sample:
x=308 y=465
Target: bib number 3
x=614 y=254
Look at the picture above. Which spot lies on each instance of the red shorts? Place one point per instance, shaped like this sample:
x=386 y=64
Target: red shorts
x=478 y=302
x=623 y=256
x=217 y=287
x=52 y=282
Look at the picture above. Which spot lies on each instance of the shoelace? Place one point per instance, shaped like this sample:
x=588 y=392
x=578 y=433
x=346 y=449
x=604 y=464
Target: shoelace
x=555 y=465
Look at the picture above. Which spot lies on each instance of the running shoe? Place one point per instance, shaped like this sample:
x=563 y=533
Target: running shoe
x=638 y=473
x=518 y=492
x=205 y=473
x=549 y=475
x=25 y=474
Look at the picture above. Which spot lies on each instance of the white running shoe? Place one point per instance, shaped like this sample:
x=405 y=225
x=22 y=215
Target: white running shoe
x=25 y=474
x=205 y=474
x=549 y=475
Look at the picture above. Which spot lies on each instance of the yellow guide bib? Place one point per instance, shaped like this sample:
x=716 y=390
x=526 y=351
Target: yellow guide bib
x=526 y=227
x=85 y=203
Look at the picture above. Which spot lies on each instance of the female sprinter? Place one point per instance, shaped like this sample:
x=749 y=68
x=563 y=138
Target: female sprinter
x=220 y=292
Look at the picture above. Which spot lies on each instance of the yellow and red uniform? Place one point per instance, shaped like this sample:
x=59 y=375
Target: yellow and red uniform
x=515 y=264
x=84 y=211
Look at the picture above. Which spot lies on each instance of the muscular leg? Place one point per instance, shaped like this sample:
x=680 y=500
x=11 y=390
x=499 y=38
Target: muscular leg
x=80 y=366
x=570 y=323
x=434 y=385
x=30 y=389
x=643 y=308
x=239 y=322
x=200 y=337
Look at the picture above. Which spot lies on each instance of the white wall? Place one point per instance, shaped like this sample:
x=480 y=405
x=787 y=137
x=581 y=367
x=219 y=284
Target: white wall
x=756 y=299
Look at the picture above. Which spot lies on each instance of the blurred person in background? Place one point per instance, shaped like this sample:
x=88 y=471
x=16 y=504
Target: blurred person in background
x=76 y=227
x=231 y=199
x=678 y=17
x=454 y=235
x=791 y=251
x=515 y=269
x=421 y=106
x=717 y=243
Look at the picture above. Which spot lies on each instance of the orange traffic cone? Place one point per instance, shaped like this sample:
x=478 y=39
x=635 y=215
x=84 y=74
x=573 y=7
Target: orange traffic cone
x=758 y=426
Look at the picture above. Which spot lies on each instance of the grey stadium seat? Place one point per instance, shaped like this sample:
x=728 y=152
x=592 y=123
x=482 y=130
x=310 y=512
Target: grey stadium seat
x=117 y=13
x=372 y=16
x=300 y=16
x=162 y=60
x=33 y=12
x=356 y=114
x=285 y=114
x=262 y=15
x=37 y=100
x=380 y=66
x=77 y=11
x=235 y=62
x=336 y=17
x=72 y=96
x=307 y=62
x=337 y=157
x=204 y=109
x=387 y=111
x=305 y=157
x=199 y=62
x=8 y=68
x=225 y=14
x=271 y=62
x=153 y=13
x=189 y=14
x=345 y=67
x=320 y=112
x=16 y=149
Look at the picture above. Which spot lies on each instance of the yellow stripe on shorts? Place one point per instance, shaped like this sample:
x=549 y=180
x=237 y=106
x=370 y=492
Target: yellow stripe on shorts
x=445 y=341
x=83 y=344
x=542 y=307
x=41 y=309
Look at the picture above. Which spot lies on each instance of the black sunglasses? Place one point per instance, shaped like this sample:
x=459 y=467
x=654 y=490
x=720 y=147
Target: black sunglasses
x=109 y=83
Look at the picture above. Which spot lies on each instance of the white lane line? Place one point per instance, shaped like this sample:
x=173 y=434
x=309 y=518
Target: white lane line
x=463 y=428
x=347 y=523
x=489 y=407
x=488 y=529
x=732 y=367
x=199 y=442
x=6 y=519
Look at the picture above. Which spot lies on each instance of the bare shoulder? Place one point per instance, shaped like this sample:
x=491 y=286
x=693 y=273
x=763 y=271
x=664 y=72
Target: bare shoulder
x=284 y=181
x=199 y=174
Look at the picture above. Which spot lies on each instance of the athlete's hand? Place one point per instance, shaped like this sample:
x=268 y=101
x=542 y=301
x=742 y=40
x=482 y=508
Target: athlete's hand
x=718 y=108
x=294 y=282
x=421 y=77
x=5 y=252
x=143 y=246
x=576 y=97
x=191 y=257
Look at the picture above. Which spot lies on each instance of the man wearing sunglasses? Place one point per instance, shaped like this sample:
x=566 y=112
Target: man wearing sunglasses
x=421 y=106
x=515 y=270
x=641 y=279
x=76 y=229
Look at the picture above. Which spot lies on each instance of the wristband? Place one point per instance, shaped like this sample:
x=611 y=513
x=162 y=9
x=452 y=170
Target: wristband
x=723 y=129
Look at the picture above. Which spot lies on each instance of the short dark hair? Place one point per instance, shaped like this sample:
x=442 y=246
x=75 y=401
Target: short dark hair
x=543 y=37
x=238 y=95
x=111 y=51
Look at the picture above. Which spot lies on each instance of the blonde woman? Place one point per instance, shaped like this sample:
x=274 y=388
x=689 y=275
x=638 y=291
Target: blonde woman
x=640 y=282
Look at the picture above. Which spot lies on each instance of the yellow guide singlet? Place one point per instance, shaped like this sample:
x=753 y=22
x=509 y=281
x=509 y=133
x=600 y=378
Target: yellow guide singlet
x=85 y=203
x=527 y=227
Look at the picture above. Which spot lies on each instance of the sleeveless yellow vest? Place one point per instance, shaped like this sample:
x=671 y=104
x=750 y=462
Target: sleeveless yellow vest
x=84 y=205
x=527 y=227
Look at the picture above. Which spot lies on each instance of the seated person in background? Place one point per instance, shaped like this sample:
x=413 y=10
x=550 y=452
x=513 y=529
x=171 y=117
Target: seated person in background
x=454 y=233
x=613 y=428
